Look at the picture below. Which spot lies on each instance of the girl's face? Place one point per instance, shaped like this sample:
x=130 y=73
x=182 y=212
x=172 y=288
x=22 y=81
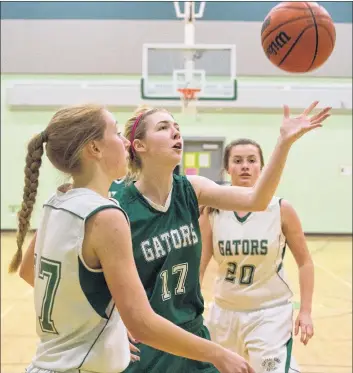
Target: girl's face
x=244 y=165
x=162 y=142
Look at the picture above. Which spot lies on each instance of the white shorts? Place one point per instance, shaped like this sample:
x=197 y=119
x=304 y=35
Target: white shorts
x=263 y=337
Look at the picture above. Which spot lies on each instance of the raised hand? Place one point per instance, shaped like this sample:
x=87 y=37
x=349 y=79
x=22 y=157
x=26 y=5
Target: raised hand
x=295 y=127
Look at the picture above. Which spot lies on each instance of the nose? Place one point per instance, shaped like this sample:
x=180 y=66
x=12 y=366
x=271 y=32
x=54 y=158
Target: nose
x=176 y=134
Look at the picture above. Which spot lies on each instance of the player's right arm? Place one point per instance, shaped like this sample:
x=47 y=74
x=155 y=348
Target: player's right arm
x=26 y=271
x=108 y=235
x=207 y=242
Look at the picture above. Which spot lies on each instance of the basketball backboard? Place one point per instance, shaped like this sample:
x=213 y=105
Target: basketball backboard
x=169 y=67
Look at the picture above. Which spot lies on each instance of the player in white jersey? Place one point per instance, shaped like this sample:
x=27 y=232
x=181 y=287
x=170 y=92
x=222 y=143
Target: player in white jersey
x=83 y=266
x=252 y=311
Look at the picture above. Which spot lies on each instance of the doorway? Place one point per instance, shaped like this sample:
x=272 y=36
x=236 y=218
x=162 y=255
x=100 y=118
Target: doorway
x=203 y=156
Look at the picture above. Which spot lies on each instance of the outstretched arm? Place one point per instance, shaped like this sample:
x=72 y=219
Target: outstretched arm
x=258 y=197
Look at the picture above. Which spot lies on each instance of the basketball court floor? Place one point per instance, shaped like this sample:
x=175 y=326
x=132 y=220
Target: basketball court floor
x=330 y=350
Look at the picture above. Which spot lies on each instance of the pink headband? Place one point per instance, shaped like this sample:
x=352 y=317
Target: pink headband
x=133 y=131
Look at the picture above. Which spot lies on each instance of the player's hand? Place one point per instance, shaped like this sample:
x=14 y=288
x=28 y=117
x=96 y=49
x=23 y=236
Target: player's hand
x=133 y=348
x=305 y=324
x=231 y=362
x=295 y=127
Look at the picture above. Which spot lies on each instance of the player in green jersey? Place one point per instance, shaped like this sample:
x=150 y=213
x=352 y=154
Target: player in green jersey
x=163 y=213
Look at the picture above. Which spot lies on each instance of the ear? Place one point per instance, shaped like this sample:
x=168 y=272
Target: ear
x=139 y=146
x=226 y=170
x=94 y=150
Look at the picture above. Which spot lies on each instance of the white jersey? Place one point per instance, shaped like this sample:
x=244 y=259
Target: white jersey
x=249 y=252
x=79 y=327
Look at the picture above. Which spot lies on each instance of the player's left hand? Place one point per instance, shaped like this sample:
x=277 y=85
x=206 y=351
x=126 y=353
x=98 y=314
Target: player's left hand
x=133 y=348
x=295 y=127
x=305 y=324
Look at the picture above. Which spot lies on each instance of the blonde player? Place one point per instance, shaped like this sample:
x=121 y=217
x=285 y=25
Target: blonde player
x=252 y=312
x=163 y=210
x=84 y=263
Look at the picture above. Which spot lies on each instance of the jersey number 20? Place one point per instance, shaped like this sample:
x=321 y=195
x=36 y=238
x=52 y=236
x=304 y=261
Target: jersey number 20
x=246 y=276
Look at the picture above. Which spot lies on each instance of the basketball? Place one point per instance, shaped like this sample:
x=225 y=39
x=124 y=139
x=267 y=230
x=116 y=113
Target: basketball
x=298 y=37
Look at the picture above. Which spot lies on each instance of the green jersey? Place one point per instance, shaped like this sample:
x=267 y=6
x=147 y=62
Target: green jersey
x=167 y=248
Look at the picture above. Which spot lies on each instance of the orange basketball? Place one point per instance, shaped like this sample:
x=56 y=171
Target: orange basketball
x=298 y=36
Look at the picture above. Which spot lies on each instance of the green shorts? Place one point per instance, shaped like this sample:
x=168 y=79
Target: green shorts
x=156 y=361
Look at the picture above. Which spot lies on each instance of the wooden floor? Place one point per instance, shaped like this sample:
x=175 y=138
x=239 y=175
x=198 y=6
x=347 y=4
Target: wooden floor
x=330 y=351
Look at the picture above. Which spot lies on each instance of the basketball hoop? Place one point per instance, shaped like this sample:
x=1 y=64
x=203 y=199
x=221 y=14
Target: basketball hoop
x=188 y=97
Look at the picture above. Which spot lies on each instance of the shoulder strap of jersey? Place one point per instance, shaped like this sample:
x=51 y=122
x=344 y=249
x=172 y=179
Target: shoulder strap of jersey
x=81 y=202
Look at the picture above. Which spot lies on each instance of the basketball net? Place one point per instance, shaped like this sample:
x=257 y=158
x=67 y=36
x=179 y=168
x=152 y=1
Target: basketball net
x=188 y=97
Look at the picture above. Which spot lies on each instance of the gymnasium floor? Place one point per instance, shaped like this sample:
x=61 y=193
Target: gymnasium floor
x=330 y=350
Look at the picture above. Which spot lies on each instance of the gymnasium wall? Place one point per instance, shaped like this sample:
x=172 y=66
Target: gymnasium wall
x=68 y=38
x=107 y=37
x=312 y=182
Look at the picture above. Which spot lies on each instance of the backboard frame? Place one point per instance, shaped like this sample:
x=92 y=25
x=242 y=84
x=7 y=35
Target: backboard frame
x=182 y=46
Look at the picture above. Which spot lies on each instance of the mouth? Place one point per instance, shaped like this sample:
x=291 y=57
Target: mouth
x=178 y=146
x=245 y=175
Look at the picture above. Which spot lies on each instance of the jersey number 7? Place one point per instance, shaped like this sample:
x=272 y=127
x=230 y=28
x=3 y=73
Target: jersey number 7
x=49 y=270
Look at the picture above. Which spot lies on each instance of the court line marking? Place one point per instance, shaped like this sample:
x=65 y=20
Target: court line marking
x=332 y=274
x=337 y=278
